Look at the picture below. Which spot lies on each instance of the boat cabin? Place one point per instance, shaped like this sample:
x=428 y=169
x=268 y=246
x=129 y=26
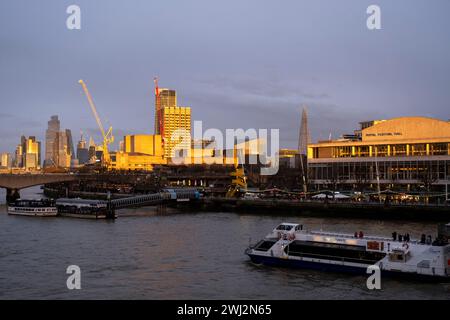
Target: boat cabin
x=285 y=229
x=288 y=227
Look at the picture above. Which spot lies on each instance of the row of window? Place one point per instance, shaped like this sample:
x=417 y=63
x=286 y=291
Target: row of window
x=385 y=170
x=396 y=150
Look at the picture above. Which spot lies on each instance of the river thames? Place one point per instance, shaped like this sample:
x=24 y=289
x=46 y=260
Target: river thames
x=148 y=255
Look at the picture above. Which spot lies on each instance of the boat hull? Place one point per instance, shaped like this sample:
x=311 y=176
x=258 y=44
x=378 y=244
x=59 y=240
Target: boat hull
x=48 y=212
x=339 y=268
x=86 y=215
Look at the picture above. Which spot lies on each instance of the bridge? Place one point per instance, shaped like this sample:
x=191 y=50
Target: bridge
x=14 y=182
x=166 y=195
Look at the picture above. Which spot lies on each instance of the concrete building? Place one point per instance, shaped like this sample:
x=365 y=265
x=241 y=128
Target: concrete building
x=146 y=144
x=289 y=158
x=5 y=160
x=167 y=99
x=409 y=153
x=140 y=152
x=177 y=131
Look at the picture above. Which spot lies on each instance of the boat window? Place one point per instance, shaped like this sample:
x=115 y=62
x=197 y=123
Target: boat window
x=264 y=245
x=288 y=228
x=331 y=251
x=281 y=227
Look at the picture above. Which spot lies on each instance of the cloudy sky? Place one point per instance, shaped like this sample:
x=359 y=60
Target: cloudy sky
x=237 y=63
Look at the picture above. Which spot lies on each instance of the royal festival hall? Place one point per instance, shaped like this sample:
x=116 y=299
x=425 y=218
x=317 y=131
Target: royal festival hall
x=409 y=154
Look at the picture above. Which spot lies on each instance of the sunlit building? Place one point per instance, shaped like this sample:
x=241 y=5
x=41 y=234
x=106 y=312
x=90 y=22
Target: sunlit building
x=168 y=99
x=5 y=160
x=406 y=153
x=51 y=134
x=18 y=156
x=28 y=154
x=139 y=152
x=58 y=145
x=177 y=131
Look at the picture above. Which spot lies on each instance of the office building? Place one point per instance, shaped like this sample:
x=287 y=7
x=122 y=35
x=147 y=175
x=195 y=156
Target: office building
x=18 y=156
x=177 y=131
x=5 y=160
x=59 y=150
x=167 y=98
x=82 y=152
x=51 y=134
x=70 y=147
x=28 y=154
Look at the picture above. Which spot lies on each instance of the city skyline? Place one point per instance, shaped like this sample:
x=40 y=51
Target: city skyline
x=320 y=55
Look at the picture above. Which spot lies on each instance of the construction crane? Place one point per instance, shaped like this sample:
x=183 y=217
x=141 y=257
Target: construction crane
x=107 y=136
x=239 y=181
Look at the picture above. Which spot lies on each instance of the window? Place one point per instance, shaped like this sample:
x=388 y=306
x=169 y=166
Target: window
x=439 y=149
x=418 y=149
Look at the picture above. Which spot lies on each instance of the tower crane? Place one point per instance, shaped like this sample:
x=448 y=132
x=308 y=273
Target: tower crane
x=107 y=136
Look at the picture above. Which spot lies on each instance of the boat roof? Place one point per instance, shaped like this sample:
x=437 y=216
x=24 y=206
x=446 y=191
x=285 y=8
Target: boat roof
x=288 y=224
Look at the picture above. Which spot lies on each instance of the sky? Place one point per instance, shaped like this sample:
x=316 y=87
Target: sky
x=236 y=63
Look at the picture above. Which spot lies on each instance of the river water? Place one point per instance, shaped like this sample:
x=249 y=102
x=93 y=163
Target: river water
x=146 y=254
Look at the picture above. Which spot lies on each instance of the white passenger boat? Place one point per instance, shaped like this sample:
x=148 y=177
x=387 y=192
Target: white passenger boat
x=35 y=208
x=290 y=245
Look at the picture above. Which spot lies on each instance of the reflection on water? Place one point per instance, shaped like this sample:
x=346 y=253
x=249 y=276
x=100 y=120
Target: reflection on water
x=146 y=255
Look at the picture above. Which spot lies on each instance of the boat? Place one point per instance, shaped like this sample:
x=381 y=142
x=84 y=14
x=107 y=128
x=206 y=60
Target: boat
x=34 y=208
x=291 y=245
x=84 y=208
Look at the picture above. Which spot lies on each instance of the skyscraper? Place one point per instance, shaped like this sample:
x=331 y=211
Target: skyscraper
x=28 y=153
x=62 y=150
x=5 y=160
x=177 y=130
x=167 y=98
x=51 y=150
x=303 y=139
x=18 y=156
x=82 y=151
x=70 y=147
x=58 y=145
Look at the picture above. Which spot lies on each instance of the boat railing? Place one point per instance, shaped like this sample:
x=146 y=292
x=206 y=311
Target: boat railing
x=349 y=236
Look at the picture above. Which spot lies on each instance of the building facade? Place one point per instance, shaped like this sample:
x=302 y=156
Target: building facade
x=28 y=154
x=5 y=160
x=139 y=152
x=82 y=152
x=177 y=131
x=167 y=99
x=59 y=150
x=53 y=127
x=408 y=153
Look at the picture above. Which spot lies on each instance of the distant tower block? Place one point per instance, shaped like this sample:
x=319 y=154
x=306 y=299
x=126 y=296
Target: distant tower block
x=303 y=138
